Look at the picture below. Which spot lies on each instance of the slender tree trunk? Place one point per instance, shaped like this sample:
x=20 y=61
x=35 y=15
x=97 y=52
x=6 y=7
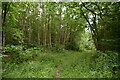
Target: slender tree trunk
x=44 y=34
x=23 y=29
x=44 y=30
x=56 y=33
x=38 y=38
x=49 y=29
x=4 y=12
x=3 y=41
x=68 y=38
x=59 y=28
x=29 y=31
x=64 y=38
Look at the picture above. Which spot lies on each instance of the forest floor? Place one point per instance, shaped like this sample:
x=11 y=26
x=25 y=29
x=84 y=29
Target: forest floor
x=69 y=64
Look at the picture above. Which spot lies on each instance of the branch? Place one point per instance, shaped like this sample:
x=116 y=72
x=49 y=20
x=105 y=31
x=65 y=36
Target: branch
x=6 y=9
x=88 y=9
x=94 y=21
x=91 y=27
x=99 y=10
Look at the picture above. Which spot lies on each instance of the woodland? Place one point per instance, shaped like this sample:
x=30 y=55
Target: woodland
x=60 y=40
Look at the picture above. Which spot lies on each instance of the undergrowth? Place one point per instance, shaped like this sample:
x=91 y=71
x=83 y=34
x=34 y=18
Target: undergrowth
x=39 y=64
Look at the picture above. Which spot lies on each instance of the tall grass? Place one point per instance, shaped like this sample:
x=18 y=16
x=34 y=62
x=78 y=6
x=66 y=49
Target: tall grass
x=73 y=65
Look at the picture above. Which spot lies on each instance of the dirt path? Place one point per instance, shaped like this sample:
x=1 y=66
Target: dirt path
x=57 y=72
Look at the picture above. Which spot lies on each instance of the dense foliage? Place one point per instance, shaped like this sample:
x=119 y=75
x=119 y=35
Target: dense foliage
x=73 y=65
x=83 y=38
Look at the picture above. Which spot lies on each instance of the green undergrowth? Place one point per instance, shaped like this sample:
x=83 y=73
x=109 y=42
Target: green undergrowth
x=38 y=64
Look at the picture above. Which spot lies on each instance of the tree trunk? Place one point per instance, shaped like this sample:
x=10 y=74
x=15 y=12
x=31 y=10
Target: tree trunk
x=49 y=32
x=4 y=12
x=38 y=38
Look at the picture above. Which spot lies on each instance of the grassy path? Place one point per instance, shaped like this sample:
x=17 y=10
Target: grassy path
x=57 y=71
x=69 y=64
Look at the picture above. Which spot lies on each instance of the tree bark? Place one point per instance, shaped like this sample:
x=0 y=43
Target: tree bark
x=94 y=31
x=4 y=12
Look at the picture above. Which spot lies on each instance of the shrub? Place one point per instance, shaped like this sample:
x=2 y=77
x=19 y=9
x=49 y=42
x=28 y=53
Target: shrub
x=107 y=62
x=58 y=48
x=12 y=49
x=16 y=36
